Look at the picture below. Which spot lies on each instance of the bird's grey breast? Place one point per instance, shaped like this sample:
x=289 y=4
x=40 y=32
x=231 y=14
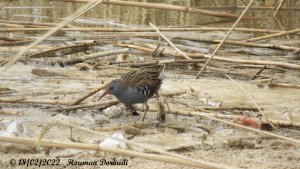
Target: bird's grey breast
x=131 y=96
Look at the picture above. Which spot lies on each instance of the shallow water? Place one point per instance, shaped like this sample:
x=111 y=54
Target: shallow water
x=126 y=16
x=277 y=103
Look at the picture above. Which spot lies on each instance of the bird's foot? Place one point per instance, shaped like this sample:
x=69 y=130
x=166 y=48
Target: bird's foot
x=132 y=109
x=135 y=113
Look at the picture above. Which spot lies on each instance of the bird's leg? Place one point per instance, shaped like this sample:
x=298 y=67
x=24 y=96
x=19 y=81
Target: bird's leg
x=132 y=109
x=144 y=114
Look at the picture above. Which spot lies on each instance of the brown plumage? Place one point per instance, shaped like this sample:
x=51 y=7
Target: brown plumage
x=137 y=86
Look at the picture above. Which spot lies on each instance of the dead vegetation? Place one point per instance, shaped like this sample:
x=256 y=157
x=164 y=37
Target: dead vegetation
x=219 y=94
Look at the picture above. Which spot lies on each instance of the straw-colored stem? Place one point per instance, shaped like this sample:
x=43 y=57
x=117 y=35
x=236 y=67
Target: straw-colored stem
x=274 y=35
x=172 y=44
x=17 y=28
x=88 y=94
x=225 y=37
x=243 y=43
x=165 y=6
x=32 y=101
x=69 y=19
x=214 y=116
x=95 y=147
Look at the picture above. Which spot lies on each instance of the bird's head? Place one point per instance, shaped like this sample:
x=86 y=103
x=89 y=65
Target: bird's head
x=113 y=88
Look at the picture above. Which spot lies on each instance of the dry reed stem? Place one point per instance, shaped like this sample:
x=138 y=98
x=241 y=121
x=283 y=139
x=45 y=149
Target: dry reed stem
x=243 y=43
x=249 y=128
x=32 y=101
x=105 y=66
x=69 y=19
x=225 y=37
x=5 y=3
x=88 y=94
x=15 y=43
x=103 y=104
x=166 y=29
x=131 y=143
x=210 y=112
x=95 y=147
x=272 y=83
x=47 y=73
x=278 y=7
x=10 y=112
x=280 y=25
x=218 y=58
x=214 y=116
x=90 y=57
x=243 y=7
x=34 y=24
x=166 y=39
x=166 y=6
x=62 y=50
x=274 y=35
x=108 y=103
x=251 y=99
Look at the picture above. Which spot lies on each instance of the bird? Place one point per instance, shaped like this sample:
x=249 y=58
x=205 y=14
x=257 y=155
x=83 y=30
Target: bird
x=137 y=86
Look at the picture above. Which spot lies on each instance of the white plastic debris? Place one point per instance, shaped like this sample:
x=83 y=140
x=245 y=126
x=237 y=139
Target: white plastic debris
x=115 y=143
x=14 y=129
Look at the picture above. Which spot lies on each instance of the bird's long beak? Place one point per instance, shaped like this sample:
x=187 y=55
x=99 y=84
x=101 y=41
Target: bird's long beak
x=105 y=92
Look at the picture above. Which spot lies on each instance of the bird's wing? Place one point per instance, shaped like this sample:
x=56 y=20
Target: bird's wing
x=149 y=76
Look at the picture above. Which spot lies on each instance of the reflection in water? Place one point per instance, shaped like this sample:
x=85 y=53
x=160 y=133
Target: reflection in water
x=52 y=11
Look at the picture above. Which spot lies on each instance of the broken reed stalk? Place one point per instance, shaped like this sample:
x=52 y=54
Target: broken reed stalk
x=270 y=83
x=90 y=57
x=224 y=59
x=88 y=94
x=225 y=37
x=103 y=105
x=95 y=147
x=62 y=50
x=5 y=3
x=91 y=4
x=274 y=35
x=32 y=101
x=10 y=112
x=210 y=112
x=108 y=103
x=245 y=92
x=251 y=99
x=166 y=29
x=15 y=43
x=278 y=7
x=131 y=143
x=250 y=44
x=243 y=7
x=34 y=24
x=244 y=127
x=213 y=116
x=47 y=73
x=166 y=39
x=167 y=7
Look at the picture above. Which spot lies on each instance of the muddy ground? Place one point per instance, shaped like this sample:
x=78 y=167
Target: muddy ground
x=223 y=144
x=34 y=91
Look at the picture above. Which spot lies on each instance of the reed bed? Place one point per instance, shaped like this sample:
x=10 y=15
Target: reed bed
x=99 y=54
